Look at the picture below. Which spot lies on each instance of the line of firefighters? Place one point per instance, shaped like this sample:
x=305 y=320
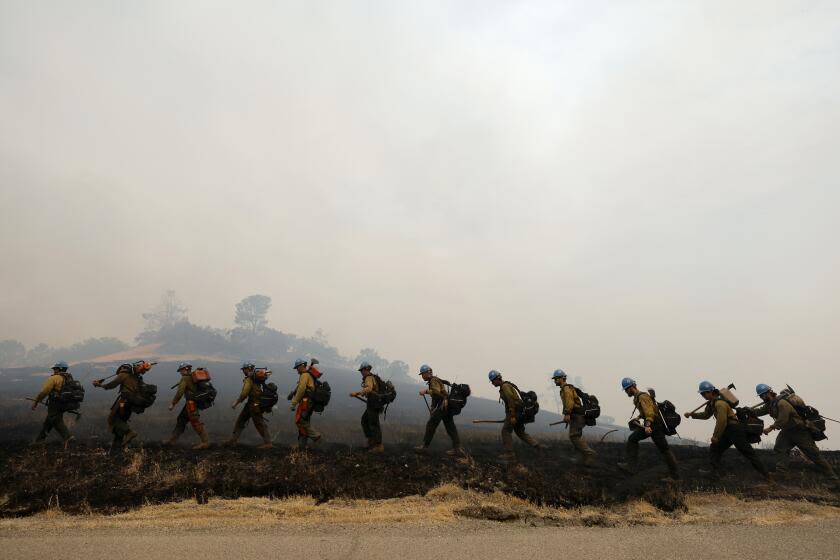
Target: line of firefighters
x=728 y=430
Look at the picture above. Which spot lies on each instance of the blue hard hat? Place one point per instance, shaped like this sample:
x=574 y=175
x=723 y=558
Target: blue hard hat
x=558 y=374
x=365 y=365
x=425 y=368
x=61 y=365
x=493 y=374
x=706 y=386
x=627 y=382
x=299 y=362
x=184 y=365
x=246 y=365
x=761 y=388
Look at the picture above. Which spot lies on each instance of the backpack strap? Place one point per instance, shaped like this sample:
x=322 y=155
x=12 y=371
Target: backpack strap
x=514 y=386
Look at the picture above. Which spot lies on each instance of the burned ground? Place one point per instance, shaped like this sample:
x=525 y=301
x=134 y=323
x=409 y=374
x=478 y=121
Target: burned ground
x=87 y=479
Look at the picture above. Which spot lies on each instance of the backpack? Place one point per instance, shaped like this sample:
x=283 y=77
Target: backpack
x=385 y=395
x=591 y=408
x=268 y=397
x=530 y=406
x=669 y=416
x=205 y=394
x=142 y=398
x=753 y=425
x=457 y=399
x=320 y=396
x=71 y=395
x=810 y=416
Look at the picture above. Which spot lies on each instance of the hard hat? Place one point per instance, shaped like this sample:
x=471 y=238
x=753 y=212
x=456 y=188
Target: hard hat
x=247 y=365
x=706 y=386
x=761 y=388
x=425 y=368
x=627 y=382
x=299 y=362
x=184 y=365
x=558 y=374
x=365 y=365
x=493 y=374
x=61 y=365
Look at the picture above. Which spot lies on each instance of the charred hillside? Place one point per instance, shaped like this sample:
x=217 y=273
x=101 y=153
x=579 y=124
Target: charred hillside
x=87 y=479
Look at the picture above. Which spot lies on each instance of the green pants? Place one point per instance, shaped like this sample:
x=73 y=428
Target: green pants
x=370 y=425
x=631 y=450
x=508 y=429
x=439 y=415
x=578 y=421
x=54 y=419
x=251 y=411
x=735 y=435
x=118 y=420
x=800 y=437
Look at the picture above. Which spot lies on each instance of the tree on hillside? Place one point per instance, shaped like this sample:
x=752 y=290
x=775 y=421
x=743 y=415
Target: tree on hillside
x=396 y=370
x=372 y=357
x=251 y=312
x=168 y=312
x=40 y=355
x=12 y=353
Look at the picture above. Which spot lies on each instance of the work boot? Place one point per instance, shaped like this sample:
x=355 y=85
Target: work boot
x=625 y=468
x=377 y=449
x=421 y=450
x=455 y=451
x=589 y=459
x=38 y=442
x=266 y=445
x=507 y=455
x=169 y=442
x=205 y=441
x=316 y=439
x=128 y=437
x=67 y=442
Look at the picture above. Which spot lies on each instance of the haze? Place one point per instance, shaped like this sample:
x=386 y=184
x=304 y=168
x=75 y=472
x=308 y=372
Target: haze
x=642 y=189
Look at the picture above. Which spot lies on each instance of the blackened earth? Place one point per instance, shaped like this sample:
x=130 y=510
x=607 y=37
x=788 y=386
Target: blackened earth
x=87 y=479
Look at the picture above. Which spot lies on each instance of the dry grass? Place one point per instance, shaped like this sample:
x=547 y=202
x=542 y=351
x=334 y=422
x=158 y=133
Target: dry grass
x=443 y=505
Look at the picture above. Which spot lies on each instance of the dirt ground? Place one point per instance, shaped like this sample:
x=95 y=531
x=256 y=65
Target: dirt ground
x=817 y=540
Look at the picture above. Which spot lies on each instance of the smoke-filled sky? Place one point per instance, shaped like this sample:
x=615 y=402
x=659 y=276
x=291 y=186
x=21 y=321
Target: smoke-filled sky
x=614 y=188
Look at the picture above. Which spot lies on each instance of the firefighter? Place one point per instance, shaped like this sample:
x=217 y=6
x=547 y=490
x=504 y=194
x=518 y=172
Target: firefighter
x=509 y=394
x=252 y=388
x=728 y=430
x=302 y=404
x=55 y=416
x=128 y=378
x=370 y=418
x=793 y=431
x=653 y=427
x=189 y=413
x=573 y=415
x=438 y=413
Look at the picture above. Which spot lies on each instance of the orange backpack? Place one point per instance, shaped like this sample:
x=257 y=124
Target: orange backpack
x=200 y=374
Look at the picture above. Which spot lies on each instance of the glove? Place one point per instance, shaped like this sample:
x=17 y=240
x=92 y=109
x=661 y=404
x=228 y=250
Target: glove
x=292 y=407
